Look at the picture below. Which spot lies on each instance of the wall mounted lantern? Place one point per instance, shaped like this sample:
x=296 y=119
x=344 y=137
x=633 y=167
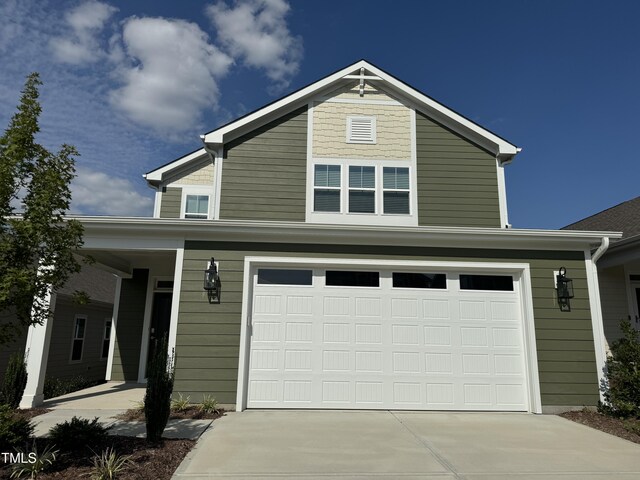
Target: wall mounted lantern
x=564 y=288
x=212 y=284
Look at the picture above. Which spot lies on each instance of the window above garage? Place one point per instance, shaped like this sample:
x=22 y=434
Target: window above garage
x=362 y=192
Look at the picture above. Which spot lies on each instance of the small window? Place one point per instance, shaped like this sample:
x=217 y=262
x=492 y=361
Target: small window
x=361 y=130
x=326 y=193
x=362 y=189
x=634 y=278
x=276 y=276
x=419 y=280
x=395 y=184
x=486 y=282
x=340 y=278
x=77 y=343
x=197 y=206
x=106 y=339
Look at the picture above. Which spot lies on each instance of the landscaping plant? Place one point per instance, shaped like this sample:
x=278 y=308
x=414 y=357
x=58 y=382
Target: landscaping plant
x=14 y=382
x=33 y=462
x=180 y=404
x=157 y=399
x=54 y=387
x=15 y=431
x=78 y=434
x=622 y=375
x=108 y=465
x=209 y=404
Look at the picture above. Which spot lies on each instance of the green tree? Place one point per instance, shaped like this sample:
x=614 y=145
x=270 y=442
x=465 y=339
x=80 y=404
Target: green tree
x=36 y=243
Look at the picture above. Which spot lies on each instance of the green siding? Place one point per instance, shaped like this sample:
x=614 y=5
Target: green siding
x=264 y=172
x=457 y=180
x=126 y=355
x=207 y=345
x=170 y=203
x=91 y=367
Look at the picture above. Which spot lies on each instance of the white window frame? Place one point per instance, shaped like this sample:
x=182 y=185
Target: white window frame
x=357 y=218
x=189 y=190
x=106 y=338
x=313 y=181
x=372 y=140
x=349 y=188
x=396 y=190
x=74 y=338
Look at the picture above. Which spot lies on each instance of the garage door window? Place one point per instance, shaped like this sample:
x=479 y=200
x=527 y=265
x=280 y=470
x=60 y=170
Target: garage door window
x=486 y=282
x=419 y=280
x=277 y=276
x=344 y=278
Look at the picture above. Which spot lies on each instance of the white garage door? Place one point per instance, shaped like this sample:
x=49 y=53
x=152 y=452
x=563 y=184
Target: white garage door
x=385 y=339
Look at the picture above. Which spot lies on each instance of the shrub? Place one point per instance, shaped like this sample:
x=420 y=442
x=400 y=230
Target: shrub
x=108 y=465
x=180 y=404
x=34 y=462
x=54 y=387
x=15 y=430
x=209 y=404
x=157 y=399
x=15 y=380
x=622 y=375
x=77 y=434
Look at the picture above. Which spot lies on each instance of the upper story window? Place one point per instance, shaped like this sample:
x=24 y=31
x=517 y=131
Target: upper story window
x=326 y=188
x=362 y=192
x=362 y=189
x=196 y=205
x=395 y=184
x=361 y=130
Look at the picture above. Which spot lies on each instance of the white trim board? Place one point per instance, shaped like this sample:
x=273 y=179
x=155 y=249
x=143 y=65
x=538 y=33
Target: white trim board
x=520 y=270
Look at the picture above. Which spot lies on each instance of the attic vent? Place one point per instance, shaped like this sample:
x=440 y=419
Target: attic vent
x=361 y=129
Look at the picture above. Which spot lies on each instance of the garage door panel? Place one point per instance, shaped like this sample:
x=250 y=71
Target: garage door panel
x=380 y=347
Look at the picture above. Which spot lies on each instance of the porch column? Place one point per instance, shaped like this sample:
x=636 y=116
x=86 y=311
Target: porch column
x=37 y=354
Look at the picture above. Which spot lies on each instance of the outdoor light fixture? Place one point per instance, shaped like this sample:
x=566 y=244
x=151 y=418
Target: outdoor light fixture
x=212 y=283
x=564 y=288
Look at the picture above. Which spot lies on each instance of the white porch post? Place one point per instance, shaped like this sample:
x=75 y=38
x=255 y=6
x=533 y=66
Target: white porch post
x=37 y=351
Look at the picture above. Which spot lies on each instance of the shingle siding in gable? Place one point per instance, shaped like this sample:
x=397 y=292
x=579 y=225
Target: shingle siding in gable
x=170 y=203
x=264 y=172
x=457 y=180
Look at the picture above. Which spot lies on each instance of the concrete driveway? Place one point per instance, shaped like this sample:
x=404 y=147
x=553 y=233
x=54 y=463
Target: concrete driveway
x=384 y=445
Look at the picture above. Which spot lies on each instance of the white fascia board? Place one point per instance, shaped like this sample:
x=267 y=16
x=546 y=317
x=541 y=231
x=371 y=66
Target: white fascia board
x=155 y=233
x=156 y=176
x=500 y=147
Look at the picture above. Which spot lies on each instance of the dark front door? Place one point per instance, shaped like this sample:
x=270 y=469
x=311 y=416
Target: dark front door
x=160 y=319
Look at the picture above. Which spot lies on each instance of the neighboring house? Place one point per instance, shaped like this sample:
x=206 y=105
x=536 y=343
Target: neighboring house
x=361 y=235
x=619 y=268
x=80 y=334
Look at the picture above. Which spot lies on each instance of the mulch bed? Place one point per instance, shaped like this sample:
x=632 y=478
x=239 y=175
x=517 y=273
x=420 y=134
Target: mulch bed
x=192 y=413
x=149 y=462
x=613 y=426
x=29 y=413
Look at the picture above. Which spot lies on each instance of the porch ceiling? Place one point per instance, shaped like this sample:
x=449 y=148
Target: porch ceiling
x=122 y=262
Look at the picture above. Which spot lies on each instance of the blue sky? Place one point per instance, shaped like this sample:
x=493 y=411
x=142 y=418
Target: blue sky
x=133 y=84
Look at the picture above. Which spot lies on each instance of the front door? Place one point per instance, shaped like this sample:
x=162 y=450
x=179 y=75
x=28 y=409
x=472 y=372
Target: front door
x=160 y=319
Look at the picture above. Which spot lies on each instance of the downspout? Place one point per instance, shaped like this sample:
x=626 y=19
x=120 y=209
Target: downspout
x=601 y=250
x=597 y=319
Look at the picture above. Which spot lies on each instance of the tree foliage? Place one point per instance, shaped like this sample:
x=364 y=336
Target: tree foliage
x=622 y=384
x=36 y=243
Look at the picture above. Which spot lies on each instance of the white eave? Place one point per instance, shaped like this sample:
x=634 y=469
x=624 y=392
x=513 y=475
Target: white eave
x=155 y=177
x=503 y=150
x=145 y=229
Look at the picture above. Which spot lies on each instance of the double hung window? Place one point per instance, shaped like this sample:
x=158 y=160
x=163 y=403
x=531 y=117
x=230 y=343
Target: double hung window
x=395 y=185
x=196 y=206
x=362 y=189
x=326 y=188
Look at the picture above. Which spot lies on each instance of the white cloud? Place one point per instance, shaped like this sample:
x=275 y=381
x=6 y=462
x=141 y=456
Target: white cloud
x=257 y=32
x=79 y=43
x=172 y=76
x=97 y=193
